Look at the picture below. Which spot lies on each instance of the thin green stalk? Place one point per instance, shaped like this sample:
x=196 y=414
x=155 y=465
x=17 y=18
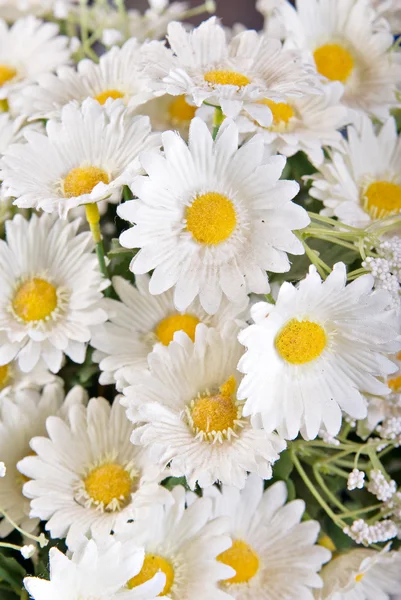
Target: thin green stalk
x=326 y=490
x=41 y=540
x=360 y=511
x=320 y=265
x=331 y=222
x=335 y=240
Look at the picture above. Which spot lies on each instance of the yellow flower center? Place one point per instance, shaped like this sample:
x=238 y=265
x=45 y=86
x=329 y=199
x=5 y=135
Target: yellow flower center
x=35 y=300
x=211 y=218
x=104 y=96
x=82 y=180
x=243 y=559
x=334 y=62
x=359 y=577
x=4 y=375
x=327 y=542
x=6 y=73
x=215 y=413
x=382 y=198
x=179 y=110
x=300 y=342
x=282 y=112
x=226 y=78
x=151 y=565
x=4 y=107
x=166 y=329
x=395 y=383
x=107 y=483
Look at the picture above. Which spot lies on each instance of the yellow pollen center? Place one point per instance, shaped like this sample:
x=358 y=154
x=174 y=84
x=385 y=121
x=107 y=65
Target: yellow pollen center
x=359 y=577
x=104 y=96
x=4 y=373
x=35 y=300
x=218 y=412
x=395 y=383
x=151 y=565
x=243 y=559
x=108 y=482
x=383 y=198
x=226 y=78
x=82 y=180
x=334 y=62
x=179 y=110
x=6 y=73
x=282 y=112
x=166 y=329
x=211 y=218
x=300 y=342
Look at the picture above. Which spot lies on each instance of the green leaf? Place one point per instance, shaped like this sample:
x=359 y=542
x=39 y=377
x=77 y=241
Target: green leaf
x=282 y=469
x=11 y=572
x=171 y=482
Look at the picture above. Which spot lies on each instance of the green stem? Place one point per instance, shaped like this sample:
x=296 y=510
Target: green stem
x=332 y=222
x=360 y=511
x=41 y=540
x=320 y=265
x=335 y=240
x=326 y=490
x=10 y=546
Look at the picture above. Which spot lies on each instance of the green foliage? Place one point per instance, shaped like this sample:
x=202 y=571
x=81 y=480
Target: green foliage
x=11 y=577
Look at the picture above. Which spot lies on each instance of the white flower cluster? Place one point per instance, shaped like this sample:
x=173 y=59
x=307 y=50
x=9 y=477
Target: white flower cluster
x=386 y=269
x=365 y=534
x=356 y=480
x=380 y=487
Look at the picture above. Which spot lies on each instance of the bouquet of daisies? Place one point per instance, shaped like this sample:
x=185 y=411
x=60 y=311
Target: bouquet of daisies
x=200 y=302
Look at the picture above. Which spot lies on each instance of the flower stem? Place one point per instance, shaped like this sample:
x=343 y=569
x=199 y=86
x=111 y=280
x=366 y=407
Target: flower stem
x=41 y=540
x=93 y=218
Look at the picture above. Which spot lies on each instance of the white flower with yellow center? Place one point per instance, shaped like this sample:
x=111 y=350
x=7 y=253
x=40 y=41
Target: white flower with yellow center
x=181 y=542
x=362 y=574
x=311 y=354
x=96 y=569
x=14 y=382
x=21 y=419
x=348 y=43
x=186 y=412
x=100 y=477
x=50 y=289
x=173 y=112
x=273 y=554
x=363 y=181
x=85 y=158
x=141 y=320
x=233 y=74
x=308 y=124
x=117 y=76
x=27 y=50
x=211 y=218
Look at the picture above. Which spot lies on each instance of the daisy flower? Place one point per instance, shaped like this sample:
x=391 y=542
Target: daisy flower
x=14 y=382
x=11 y=10
x=324 y=344
x=85 y=158
x=363 y=181
x=308 y=124
x=87 y=476
x=362 y=574
x=182 y=543
x=50 y=288
x=347 y=43
x=141 y=320
x=20 y=420
x=236 y=74
x=95 y=569
x=28 y=49
x=250 y=231
x=116 y=76
x=185 y=410
x=173 y=112
x=273 y=554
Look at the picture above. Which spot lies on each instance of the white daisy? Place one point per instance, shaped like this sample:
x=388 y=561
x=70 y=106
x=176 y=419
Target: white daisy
x=116 y=76
x=20 y=420
x=185 y=411
x=11 y=10
x=50 y=288
x=173 y=112
x=232 y=74
x=322 y=344
x=96 y=569
x=28 y=49
x=348 y=43
x=183 y=543
x=363 y=181
x=362 y=574
x=85 y=158
x=88 y=476
x=212 y=218
x=141 y=320
x=273 y=554
x=308 y=124
x=391 y=10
